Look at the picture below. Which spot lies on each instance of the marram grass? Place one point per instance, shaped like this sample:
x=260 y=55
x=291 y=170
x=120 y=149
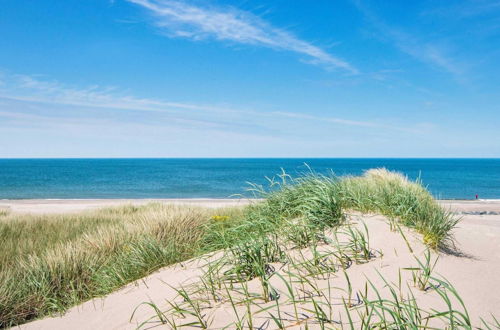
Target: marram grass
x=393 y=195
x=51 y=262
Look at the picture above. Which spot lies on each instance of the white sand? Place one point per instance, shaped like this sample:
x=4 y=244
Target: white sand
x=474 y=273
x=46 y=206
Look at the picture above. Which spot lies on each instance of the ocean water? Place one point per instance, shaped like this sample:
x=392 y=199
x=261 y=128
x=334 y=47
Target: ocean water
x=222 y=178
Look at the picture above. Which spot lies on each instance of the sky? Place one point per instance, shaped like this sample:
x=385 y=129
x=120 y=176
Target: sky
x=249 y=78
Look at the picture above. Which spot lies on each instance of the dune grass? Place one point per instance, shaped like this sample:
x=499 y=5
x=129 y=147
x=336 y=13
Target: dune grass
x=4 y=212
x=51 y=262
x=302 y=287
x=393 y=195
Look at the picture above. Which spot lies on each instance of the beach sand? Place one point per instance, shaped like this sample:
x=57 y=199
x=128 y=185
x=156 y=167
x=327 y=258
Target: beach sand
x=473 y=267
x=50 y=206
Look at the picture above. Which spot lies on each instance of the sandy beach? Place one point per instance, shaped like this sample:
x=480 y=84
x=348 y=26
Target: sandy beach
x=472 y=267
x=58 y=206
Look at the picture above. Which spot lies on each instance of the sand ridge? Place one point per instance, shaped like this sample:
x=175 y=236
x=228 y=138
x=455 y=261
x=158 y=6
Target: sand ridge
x=472 y=268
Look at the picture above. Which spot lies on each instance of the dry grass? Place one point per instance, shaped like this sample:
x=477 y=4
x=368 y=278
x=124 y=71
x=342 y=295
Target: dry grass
x=4 y=212
x=62 y=260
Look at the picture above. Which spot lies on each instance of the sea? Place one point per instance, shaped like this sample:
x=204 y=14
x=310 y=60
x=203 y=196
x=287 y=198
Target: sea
x=225 y=178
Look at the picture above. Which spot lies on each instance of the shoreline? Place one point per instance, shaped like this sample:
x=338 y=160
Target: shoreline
x=61 y=206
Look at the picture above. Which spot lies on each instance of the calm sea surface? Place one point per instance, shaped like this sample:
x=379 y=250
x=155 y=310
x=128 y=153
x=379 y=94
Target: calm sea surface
x=221 y=178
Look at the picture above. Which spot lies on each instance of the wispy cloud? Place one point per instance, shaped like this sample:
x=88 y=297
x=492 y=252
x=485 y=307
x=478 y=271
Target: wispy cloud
x=30 y=96
x=29 y=88
x=326 y=119
x=32 y=89
x=417 y=47
x=181 y=19
x=38 y=109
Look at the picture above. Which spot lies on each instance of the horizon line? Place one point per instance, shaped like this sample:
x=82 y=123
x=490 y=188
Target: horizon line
x=187 y=158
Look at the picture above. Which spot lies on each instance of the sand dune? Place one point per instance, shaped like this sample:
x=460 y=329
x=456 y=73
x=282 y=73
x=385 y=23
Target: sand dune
x=472 y=267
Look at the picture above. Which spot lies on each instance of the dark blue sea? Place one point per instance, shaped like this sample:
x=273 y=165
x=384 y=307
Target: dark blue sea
x=222 y=178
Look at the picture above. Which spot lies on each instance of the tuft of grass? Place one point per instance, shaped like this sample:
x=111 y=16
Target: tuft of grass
x=300 y=233
x=393 y=195
x=322 y=201
x=252 y=258
x=422 y=274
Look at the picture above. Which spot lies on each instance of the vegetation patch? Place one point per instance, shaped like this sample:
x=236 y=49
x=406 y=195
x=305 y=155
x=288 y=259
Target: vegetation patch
x=52 y=262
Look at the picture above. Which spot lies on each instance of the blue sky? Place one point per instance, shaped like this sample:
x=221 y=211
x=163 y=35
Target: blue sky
x=323 y=78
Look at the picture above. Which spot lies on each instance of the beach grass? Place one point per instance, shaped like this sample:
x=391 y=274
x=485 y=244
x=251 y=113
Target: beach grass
x=51 y=262
x=298 y=289
x=4 y=212
x=396 y=197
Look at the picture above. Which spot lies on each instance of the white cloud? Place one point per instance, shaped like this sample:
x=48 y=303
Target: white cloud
x=230 y=24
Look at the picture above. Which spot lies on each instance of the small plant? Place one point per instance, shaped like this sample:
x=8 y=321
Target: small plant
x=322 y=264
x=301 y=233
x=159 y=315
x=394 y=312
x=359 y=243
x=193 y=309
x=319 y=314
x=454 y=318
x=252 y=258
x=421 y=275
x=291 y=293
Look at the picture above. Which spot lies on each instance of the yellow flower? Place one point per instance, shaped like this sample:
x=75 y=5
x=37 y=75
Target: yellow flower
x=220 y=218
